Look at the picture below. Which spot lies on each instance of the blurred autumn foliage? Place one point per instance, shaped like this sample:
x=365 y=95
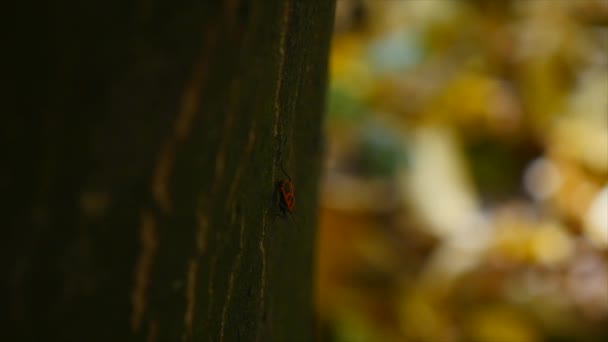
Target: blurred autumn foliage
x=466 y=188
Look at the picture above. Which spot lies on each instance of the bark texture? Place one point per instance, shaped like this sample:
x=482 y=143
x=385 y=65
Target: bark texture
x=142 y=146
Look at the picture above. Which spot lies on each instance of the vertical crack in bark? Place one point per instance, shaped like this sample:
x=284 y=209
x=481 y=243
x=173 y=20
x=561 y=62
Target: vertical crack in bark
x=226 y=136
x=190 y=297
x=201 y=233
x=212 y=266
x=262 y=247
x=201 y=245
x=162 y=174
x=296 y=94
x=279 y=81
x=189 y=105
x=191 y=95
x=235 y=268
x=149 y=244
x=277 y=113
x=219 y=168
x=239 y=172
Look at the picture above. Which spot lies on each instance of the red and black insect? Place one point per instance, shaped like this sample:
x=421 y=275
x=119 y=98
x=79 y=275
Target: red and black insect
x=287 y=197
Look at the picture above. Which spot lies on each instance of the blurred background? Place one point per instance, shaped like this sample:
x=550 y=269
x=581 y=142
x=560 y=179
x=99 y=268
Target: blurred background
x=465 y=195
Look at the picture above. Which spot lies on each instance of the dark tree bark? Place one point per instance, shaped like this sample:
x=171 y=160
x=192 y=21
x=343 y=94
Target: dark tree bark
x=142 y=145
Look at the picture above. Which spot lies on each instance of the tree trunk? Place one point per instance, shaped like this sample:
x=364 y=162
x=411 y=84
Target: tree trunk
x=142 y=148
